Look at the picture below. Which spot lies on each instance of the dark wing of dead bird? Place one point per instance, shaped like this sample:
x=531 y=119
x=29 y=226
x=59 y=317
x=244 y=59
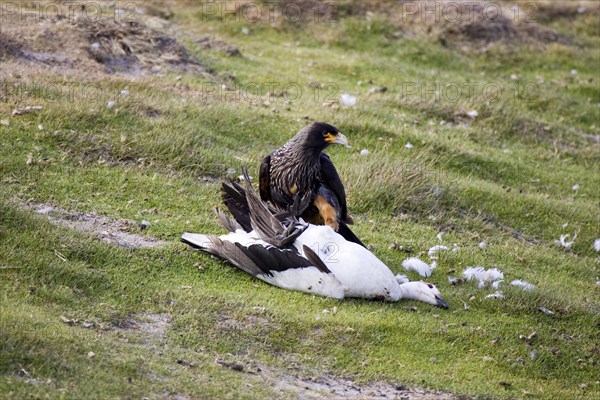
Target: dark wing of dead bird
x=255 y=259
x=234 y=198
x=268 y=227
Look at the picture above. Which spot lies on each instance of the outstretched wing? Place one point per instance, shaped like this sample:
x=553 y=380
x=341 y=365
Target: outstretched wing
x=330 y=178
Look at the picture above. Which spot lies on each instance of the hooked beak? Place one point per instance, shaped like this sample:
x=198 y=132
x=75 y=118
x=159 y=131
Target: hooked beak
x=441 y=302
x=341 y=139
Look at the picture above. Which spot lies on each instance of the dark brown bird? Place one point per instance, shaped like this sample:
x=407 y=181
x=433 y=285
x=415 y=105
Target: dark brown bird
x=300 y=168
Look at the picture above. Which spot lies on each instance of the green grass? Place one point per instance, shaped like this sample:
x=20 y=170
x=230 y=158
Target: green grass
x=507 y=173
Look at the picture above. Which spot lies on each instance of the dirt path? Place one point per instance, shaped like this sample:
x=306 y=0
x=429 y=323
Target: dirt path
x=113 y=232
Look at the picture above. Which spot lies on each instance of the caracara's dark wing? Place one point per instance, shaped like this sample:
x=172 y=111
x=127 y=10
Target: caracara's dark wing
x=332 y=181
x=264 y=179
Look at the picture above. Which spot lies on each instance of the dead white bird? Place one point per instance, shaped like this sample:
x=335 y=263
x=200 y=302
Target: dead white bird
x=281 y=250
x=417 y=265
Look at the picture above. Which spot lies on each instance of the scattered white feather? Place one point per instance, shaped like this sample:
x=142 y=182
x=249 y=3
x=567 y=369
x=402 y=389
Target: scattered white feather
x=573 y=72
x=475 y=273
x=496 y=284
x=455 y=249
x=402 y=279
x=243 y=178
x=493 y=274
x=416 y=265
x=482 y=245
x=433 y=251
x=597 y=244
x=483 y=276
x=124 y=92
x=95 y=46
x=473 y=113
x=364 y=152
x=111 y=104
x=575 y=187
x=433 y=265
x=565 y=225
x=496 y=295
x=563 y=241
x=440 y=235
x=347 y=99
x=231 y=171
x=526 y=286
x=409 y=145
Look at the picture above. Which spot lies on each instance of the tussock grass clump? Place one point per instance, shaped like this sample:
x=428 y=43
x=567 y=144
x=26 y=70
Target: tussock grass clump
x=392 y=183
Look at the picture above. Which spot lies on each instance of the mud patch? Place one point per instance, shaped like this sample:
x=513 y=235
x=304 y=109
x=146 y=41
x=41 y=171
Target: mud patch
x=113 y=232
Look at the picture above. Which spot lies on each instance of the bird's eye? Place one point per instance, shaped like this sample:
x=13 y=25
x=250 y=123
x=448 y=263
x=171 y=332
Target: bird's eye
x=430 y=286
x=325 y=134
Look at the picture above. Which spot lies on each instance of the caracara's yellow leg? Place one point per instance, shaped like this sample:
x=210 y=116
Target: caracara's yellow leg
x=327 y=212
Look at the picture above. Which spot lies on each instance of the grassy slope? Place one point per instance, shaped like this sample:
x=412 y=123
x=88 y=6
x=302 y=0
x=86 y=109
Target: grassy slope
x=86 y=158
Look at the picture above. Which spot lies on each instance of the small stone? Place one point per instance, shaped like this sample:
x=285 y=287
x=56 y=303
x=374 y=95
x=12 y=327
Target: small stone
x=545 y=311
x=155 y=69
x=393 y=246
x=377 y=89
x=91 y=354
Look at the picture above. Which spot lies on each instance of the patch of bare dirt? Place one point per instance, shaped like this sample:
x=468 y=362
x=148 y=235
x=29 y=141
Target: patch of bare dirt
x=152 y=326
x=481 y=29
x=210 y=42
x=319 y=385
x=138 y=45
x=114 y=232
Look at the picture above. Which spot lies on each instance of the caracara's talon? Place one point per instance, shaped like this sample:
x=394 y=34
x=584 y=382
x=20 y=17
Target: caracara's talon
x=333 y=224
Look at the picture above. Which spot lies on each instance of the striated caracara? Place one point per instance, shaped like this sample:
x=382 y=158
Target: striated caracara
x=300 y=168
